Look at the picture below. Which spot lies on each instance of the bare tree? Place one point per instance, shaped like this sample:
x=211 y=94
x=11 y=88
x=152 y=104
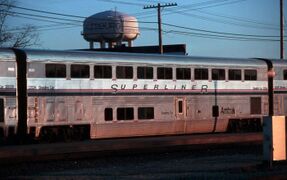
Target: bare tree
x=23 y=36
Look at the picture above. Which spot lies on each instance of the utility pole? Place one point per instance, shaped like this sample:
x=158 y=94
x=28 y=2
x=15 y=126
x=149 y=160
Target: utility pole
x=159 y=6
x=281 y=31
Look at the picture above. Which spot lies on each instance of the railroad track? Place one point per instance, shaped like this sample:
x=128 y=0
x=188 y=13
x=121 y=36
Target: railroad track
x=36 y=152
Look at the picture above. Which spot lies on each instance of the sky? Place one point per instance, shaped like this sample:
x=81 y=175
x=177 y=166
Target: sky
x=216 y=28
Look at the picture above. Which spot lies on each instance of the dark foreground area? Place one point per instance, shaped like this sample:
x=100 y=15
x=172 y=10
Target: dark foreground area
x=187 y=162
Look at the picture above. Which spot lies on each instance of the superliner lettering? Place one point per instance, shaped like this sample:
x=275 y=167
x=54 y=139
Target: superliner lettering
x=116 y=87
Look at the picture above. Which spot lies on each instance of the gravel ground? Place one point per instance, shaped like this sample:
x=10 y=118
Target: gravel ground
x=184 y=163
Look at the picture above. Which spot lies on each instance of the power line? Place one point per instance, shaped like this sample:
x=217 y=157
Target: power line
x=18 y=29
x=46 y=12
x=61 y=14
x=190 y=34
x=67 y=24
x=213 y=3
x=144 y=14
x=76 y=16
x=122 y=2
x=225 y=22
x=237 y=18
x=222 y=37
x=246 y=23
x=218 y=32
x=40 y=19
x=153 y=1
x=201 y=5
x=197 y=16
x=167 y=24
x=46 y=17
x=73 y=22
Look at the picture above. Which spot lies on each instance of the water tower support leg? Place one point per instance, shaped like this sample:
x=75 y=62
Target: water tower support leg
x=91 y=45
x=130 y=43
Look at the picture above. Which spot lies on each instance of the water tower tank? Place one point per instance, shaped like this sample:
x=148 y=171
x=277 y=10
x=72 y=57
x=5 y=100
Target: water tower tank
x=110 y=26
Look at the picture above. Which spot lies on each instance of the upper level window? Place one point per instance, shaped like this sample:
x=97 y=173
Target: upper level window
x=285 y=74
x=183 y=73
x=125 y=113
x=55 y=70
x=201 y=74
x=124 y=72
x=164 y=73
x=250 y=75
x=80 y=71
x=145 y=73
x=234 y=74
x=218 y=74
x=102 y=72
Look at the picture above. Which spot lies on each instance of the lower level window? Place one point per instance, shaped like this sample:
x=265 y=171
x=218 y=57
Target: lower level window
x=146 y=113
x=125 y=113
x=255 y=105
x=108 y=114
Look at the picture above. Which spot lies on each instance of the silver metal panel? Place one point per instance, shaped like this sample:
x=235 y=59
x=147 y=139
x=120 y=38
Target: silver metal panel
x=128 y=58
x=7 y=55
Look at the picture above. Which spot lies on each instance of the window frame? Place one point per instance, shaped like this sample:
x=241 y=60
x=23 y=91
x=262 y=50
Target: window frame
x=163 y=74
x=250 y=79
x=125 y=116
x=180 y=106
x=184 y=73
x=56 y=70
x=144 y=115
x=146 y=68
x=235 y=75
x=81 y=69
x=104 y=73
x=106 y=115
x=196 y=76
x=219 y=76
x=122 y=72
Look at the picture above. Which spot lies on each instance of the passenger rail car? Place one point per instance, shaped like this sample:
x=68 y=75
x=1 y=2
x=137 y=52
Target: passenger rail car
x=109 y=95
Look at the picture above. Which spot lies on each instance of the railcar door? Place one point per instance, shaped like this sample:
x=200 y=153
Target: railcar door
x=2 y=114
x=180 y=108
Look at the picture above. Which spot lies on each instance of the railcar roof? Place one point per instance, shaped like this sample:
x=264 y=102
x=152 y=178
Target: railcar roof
x=127 y=58
x=130 y=58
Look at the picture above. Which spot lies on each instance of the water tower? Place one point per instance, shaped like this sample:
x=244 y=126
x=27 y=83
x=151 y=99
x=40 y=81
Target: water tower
x=110 y=27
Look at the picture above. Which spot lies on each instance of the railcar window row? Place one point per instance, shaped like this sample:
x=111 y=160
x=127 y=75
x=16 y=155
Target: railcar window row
x=127 y=113
x=143 y=72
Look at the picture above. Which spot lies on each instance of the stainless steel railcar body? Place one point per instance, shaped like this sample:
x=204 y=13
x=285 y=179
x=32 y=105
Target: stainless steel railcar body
x=8 y=115
x=108 y=93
